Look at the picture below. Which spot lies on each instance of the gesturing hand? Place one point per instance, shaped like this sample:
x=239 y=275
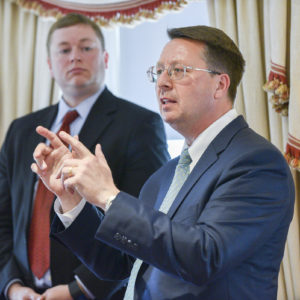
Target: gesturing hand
x=91 y=175
x=48 y=165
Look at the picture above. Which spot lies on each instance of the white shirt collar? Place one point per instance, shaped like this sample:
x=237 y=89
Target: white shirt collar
x=82 y=108
x=201 y=143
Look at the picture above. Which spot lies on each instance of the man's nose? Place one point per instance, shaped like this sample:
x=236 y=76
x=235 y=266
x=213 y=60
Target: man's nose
x=164 y=79
x=75 y=55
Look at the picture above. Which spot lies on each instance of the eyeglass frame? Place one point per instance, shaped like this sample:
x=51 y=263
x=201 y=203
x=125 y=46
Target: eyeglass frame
x=169 y=69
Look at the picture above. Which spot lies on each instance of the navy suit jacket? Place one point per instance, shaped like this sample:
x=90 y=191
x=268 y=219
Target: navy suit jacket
x=223 y=237
x=133 y=141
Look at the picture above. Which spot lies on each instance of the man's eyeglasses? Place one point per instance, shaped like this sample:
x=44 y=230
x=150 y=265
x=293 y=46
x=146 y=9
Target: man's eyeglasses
x=175 y=71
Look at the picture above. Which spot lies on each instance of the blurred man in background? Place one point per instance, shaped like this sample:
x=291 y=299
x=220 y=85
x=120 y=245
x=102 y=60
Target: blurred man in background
x=132 y=138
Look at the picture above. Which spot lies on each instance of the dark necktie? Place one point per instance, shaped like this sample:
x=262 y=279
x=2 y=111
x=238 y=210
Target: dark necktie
x=39 y=241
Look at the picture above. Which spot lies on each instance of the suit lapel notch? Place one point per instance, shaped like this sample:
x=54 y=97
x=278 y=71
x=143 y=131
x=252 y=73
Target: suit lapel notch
x=208 y=158
x=98 y=119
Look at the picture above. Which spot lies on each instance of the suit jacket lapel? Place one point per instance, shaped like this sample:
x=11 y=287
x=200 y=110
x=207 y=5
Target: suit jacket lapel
x=208 y=158
x=98 y=119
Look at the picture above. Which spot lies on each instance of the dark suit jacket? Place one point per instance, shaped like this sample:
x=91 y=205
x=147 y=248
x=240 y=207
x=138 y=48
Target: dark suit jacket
x=223 y=238
x=133 y=141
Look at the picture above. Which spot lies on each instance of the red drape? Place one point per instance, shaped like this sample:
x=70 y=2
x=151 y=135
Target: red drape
x=104 y=13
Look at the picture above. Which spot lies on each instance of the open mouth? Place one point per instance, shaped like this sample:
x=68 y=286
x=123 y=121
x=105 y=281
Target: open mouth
x=166 y=101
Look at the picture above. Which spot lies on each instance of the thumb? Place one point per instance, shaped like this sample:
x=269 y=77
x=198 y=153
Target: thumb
x=98 y=152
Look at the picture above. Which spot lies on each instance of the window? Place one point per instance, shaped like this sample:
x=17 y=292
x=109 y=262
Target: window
x=133 y=49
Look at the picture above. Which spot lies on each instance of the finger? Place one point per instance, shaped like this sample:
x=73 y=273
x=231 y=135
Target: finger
x=71 y=184
x=67 y=171
x=73 y=152
x=51 y=136
x=98 y=152
x=37 y=297
x=39 y=154
x=64 y=168
x=35 y=169
x=77 y=147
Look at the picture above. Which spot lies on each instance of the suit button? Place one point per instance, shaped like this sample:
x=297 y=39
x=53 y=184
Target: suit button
x=129 y=243
x=124 y=239
x=117 y=236
x=135 y=246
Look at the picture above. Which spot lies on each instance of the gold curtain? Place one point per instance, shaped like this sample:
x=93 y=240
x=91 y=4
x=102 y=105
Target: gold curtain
x=265 y=31
x=25 y=81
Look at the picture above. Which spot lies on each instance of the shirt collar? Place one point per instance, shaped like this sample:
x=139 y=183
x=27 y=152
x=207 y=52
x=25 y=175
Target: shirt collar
x=83 y=108
x=201 y=143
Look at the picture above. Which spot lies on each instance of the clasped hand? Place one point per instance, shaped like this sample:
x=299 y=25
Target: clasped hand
x=74 y=175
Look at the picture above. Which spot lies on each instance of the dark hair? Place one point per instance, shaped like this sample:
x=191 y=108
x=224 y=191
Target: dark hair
x=74 y=19
x=220 y=54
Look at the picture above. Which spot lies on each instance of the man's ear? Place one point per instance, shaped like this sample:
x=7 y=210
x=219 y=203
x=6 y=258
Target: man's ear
x=223 y=83
x=50 y=65
x=106 y=57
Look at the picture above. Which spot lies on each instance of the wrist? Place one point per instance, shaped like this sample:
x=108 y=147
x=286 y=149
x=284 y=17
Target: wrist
x=104 y=198
x=109 y=202
x=13 y=289
x=68 y=203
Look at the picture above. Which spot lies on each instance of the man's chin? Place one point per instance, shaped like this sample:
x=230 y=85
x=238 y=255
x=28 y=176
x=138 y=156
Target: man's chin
x=79 y=84
x=169 y=118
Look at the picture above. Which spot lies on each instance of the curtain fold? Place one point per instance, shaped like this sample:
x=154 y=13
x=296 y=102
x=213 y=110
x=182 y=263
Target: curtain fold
x=293 y=146
x=261 y=29
x=19 y=94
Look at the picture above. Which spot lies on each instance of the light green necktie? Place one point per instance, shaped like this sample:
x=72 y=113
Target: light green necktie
x=182 y=171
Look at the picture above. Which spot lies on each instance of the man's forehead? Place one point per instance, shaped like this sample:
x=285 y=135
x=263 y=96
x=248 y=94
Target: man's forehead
x=80 y=32
x=179 y=50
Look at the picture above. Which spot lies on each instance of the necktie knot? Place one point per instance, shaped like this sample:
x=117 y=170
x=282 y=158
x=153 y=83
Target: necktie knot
x=69 y=117
x=67 y=120
x=185 y=158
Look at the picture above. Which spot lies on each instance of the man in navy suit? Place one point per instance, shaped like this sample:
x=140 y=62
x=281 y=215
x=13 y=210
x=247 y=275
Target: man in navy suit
x=211 y=225
x=133 y=141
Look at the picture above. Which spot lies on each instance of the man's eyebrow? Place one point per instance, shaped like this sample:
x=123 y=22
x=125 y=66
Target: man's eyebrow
x=64 y=43
x=159 y=63
x=86 y=40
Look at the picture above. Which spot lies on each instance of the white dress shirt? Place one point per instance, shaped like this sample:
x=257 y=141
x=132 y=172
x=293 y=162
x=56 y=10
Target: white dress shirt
x=203 y=140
